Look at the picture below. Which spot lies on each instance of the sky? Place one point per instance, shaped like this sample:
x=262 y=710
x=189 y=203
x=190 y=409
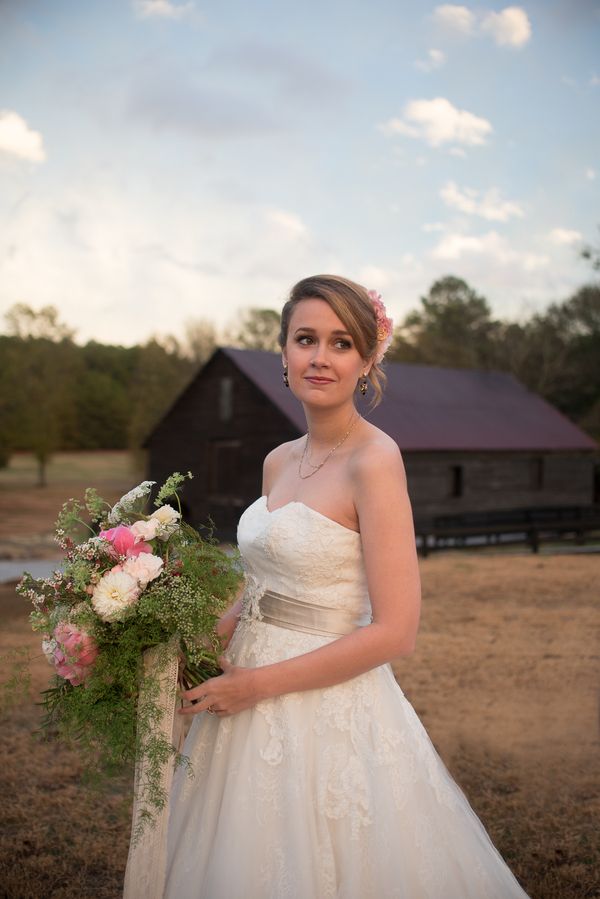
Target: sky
x=163 y=162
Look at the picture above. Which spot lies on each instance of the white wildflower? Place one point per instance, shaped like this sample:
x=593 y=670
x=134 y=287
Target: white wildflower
x=114 y=594
x=144 y=567
x=129 y=500
x=168 y=521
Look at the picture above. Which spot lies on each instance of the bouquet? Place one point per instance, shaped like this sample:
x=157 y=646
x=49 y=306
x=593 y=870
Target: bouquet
x=136 y=582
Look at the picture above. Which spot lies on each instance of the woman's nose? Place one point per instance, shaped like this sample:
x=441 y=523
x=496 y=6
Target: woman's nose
x=320 y=354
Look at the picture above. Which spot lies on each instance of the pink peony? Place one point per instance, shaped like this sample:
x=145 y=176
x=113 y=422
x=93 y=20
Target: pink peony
x=124 y=541
x=74 y=653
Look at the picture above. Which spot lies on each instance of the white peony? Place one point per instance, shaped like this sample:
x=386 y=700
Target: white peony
x=145 y=530
x=144 y=567
x=168 y=521
x=114 y=594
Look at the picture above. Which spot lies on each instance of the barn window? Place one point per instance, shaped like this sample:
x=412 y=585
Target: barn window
x=456 y=480
x=536 y=473
x=223 y=468
x=226 y=398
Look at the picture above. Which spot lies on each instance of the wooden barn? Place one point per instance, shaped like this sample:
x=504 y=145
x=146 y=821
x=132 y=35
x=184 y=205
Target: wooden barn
x=472 y=441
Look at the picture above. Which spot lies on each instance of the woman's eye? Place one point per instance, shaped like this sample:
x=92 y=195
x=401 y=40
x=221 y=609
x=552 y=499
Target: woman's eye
x=304 y=340
x=343 y=344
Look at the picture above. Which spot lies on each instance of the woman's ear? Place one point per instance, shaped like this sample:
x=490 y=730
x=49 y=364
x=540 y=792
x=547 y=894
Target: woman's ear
x=283 y=359
x=367 y=366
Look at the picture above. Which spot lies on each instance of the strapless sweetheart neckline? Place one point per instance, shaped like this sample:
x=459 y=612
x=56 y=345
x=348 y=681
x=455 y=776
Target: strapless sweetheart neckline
x=296 y=502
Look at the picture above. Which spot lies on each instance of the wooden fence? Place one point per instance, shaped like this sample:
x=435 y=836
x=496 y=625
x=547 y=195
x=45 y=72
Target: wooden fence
x=531 y=526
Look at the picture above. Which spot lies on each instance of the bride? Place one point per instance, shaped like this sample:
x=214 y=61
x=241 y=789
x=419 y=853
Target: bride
x=313 y=776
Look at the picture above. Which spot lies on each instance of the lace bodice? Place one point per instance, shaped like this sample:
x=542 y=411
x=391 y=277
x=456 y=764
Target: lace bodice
x=301 y=553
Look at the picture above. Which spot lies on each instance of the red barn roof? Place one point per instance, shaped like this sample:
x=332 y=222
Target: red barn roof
x=426 y=407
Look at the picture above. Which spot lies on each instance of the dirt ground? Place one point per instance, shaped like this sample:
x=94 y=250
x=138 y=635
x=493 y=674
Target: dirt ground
x=505 y=678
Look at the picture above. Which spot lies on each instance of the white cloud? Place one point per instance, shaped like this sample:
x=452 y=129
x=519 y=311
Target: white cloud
x=439 y=122
x=590 y=174
x=287 y=224
x=454 y=18
x=431 y=227
x=435 y=60
x=594 y=80
x=112 y=240
x=491 y=246
x=509 y=28
x=487 y=205
x=18 y=139
x=562 y=236
x=162 y=9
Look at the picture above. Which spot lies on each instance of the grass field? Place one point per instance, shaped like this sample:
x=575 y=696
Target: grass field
x=505 y=679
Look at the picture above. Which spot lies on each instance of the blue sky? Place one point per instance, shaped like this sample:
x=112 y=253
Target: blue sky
x=166 y=161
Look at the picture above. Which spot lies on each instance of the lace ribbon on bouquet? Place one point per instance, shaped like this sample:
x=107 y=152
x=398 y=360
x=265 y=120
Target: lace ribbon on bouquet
x=146 y=863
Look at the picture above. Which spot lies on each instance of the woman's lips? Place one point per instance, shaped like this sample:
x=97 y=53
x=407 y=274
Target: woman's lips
x=314 y=380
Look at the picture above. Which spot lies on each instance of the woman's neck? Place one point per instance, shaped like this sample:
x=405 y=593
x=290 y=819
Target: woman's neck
x=326 y=426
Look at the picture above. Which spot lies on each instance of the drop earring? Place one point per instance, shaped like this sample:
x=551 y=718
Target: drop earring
x=363 y=385
x=286 y=380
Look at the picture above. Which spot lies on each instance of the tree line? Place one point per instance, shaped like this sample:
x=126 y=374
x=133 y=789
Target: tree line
x=56 y=394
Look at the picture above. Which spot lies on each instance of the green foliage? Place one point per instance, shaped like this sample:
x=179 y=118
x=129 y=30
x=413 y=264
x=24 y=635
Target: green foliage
x=258 y=329
x=171 y=487
x=453 y=327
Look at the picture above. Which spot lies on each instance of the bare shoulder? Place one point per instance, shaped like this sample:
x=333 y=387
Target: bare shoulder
x=377 y=457
x=275 y=460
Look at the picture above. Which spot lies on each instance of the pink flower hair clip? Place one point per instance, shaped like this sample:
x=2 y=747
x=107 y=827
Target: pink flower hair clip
x=385 y=325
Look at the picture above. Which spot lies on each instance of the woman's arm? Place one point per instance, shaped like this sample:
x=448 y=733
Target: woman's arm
x=227 y=622
x=391 y=565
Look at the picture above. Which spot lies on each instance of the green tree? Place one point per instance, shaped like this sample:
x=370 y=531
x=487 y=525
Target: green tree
x=44 y=365
x=453 y=327
x=257 y=329
x=200 y=340
x=161 y=372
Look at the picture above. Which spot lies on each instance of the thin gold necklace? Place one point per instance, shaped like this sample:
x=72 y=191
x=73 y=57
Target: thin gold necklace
x=316 y=468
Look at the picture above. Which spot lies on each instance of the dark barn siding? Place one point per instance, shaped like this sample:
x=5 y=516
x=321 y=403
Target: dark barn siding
x=500 y=480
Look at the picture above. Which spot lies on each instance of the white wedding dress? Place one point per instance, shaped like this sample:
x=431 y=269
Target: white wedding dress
x=335 y=792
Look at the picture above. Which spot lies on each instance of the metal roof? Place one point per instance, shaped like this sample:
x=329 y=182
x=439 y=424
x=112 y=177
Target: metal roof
x=426 y=407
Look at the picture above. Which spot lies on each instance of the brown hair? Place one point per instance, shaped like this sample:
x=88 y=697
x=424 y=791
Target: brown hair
x=352 y=305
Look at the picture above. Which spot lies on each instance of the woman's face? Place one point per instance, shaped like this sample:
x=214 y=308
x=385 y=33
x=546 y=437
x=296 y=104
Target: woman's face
x=323 y=362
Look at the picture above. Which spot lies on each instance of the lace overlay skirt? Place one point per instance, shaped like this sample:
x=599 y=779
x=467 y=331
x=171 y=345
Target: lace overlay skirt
x=336 y=792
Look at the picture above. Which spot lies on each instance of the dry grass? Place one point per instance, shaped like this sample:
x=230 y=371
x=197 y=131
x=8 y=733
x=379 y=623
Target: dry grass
x=505 y=679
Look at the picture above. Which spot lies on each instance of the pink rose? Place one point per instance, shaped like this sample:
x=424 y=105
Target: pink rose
x=75 y=652
x=124 y=541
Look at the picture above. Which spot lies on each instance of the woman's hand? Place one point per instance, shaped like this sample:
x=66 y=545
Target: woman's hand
x=231 y=692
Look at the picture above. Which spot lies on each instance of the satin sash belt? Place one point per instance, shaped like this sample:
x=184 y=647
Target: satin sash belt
x=297 y=615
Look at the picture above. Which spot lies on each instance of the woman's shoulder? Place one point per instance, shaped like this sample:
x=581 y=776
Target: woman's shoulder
x=376 y=444
x=278 y=456
x=376 y=453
